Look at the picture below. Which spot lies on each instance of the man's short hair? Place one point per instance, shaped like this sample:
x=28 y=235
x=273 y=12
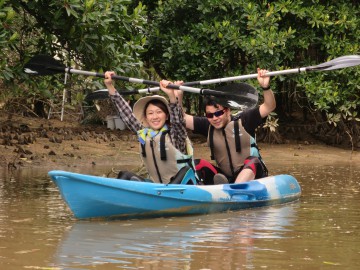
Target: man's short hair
x=212 y=101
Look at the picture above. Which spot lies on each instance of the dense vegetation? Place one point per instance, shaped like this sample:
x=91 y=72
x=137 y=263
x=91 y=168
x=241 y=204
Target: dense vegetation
x=191 y=40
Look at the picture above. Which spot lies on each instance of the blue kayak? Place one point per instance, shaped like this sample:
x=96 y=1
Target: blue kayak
x=110 y=198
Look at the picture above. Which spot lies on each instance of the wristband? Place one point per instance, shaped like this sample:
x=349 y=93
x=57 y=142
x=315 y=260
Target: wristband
x=266 y=88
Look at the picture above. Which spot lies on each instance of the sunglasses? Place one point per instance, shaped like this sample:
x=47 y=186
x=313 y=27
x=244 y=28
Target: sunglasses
x=217 y=114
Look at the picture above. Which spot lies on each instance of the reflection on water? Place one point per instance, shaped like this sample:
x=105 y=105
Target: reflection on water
x=174 y=242
x=37 y=231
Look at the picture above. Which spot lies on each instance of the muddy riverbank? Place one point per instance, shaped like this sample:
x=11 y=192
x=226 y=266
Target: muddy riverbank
x=32 y=142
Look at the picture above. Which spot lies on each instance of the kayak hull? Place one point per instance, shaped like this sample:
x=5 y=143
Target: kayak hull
x=100 y=197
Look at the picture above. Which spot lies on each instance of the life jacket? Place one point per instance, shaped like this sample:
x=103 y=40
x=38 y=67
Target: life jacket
x=233 y=146
x=161 y=158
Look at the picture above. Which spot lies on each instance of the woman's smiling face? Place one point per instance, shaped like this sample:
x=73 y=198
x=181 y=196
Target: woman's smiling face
x=155 y=117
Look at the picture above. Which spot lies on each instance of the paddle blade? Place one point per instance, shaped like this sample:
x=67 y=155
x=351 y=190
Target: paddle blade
x=337 y=63
x=238 y=96
x=97 y=95
x=43 y=65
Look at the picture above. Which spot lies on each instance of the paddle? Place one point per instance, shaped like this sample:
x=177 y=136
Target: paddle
x=44 y=65
x=239 y=96
x=336 y=63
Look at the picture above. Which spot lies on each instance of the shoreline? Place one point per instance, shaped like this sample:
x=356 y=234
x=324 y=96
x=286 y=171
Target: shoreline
x=79 y=153
x=55 y=144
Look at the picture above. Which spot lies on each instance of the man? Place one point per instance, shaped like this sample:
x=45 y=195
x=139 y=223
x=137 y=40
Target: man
x=232 y=138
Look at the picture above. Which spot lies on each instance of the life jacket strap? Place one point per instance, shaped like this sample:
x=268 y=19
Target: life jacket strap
x=162 y=145
x=237 y=137
x=143 y=152
x=211 y=141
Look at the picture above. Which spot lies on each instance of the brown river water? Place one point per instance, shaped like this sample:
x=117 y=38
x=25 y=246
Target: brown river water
x=320 y=231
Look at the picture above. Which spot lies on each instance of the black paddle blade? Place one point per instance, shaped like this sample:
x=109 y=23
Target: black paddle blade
x=97 y=95
x=43 y=65
x=238 y=96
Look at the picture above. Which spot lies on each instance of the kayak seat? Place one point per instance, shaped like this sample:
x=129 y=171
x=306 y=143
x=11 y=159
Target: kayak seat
x=185 y=176
x=127 y=175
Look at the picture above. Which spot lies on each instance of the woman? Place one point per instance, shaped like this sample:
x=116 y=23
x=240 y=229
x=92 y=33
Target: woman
x=160 y=126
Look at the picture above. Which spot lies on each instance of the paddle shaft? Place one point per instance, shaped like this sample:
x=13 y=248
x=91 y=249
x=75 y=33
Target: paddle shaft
x=155 y=89
x=272 y=73
x=337 y=63
x=44 y=65
x=140 y=81
x=229 y=79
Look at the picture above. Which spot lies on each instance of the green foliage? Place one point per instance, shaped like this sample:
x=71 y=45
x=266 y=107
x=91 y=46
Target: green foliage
x=188 y=40
x=336 y=93
x=195 y=39
x=98 y=35
x=94 y=35
x=207 y=39
x=7 y=38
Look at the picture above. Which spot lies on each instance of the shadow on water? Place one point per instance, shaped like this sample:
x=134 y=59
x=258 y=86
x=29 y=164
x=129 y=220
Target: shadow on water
x=37 y=230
